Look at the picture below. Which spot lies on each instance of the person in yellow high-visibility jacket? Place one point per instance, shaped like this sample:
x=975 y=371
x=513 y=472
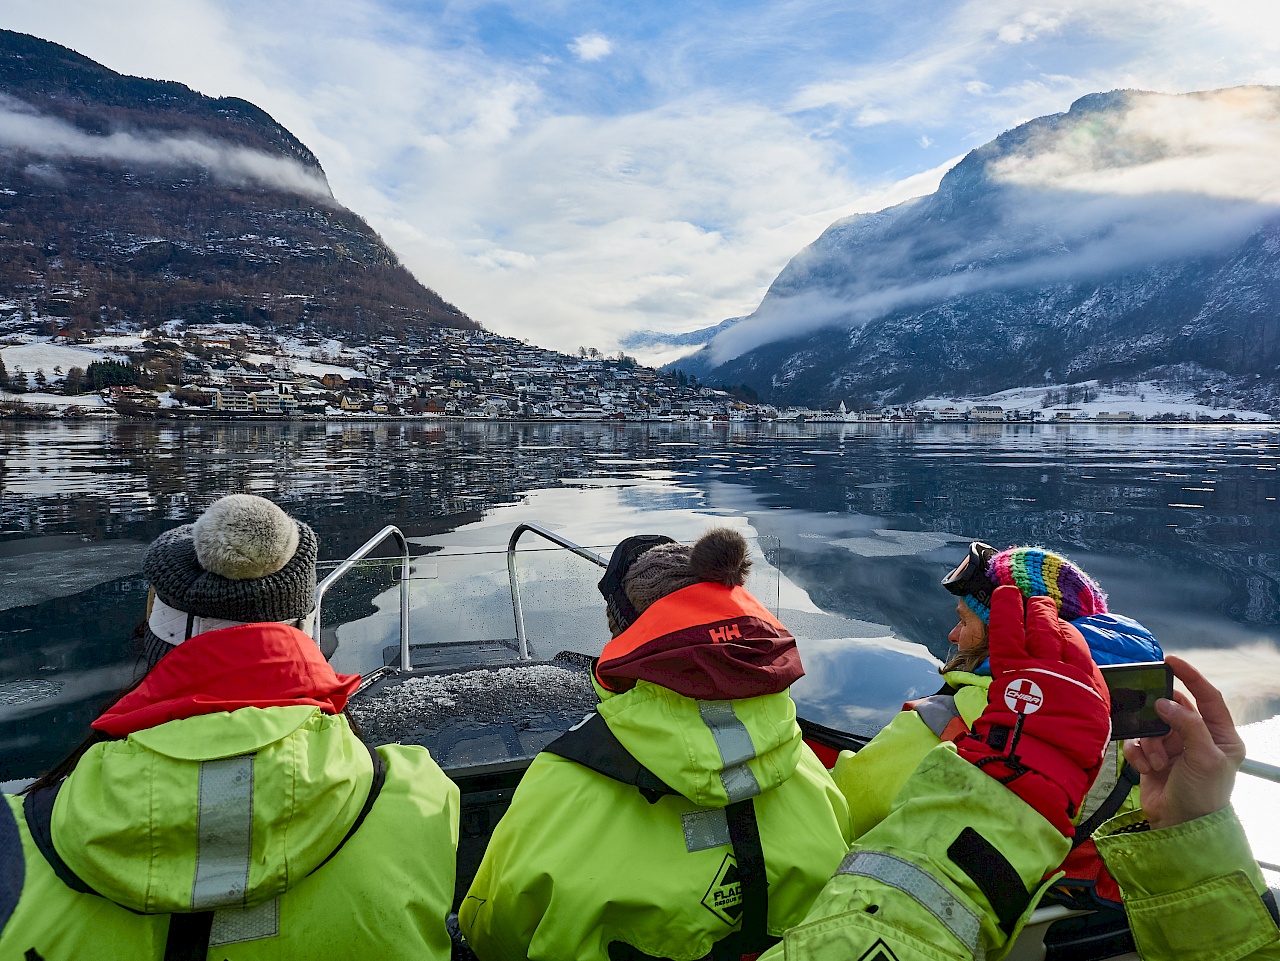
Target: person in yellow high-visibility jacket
x=225 y=808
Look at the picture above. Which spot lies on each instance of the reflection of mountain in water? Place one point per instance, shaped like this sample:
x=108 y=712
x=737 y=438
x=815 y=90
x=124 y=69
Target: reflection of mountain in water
x=1177 y=525
x=868 y=519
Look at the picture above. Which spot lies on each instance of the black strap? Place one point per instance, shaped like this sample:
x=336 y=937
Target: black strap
x=594 y=746
x=375 y=788
x=1105 y=811
x=188 y=938
x=1269 y=901
x=744 y=832
x=993 y=874
x=13 y=864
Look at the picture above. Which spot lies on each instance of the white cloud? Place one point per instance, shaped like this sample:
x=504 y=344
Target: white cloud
x=1166 y=45
x=23 y=129
x=591 y=47
x=1224 y=144
x=1028 y=27
x=924 y=141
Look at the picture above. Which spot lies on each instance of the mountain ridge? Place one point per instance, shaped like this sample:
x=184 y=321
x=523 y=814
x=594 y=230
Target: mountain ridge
x=1038 y=260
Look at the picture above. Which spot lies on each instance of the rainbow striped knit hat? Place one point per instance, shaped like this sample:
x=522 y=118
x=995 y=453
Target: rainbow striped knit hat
x=1041 y=573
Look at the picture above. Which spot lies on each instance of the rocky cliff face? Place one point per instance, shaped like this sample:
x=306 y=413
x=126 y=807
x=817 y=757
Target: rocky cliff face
x=1136 y=237
x=124 y=199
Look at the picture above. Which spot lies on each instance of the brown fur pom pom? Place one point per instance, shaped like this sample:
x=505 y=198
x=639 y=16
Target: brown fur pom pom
x=720 y=556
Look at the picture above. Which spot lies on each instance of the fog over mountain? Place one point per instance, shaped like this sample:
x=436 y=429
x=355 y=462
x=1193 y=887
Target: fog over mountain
x=130 y=200
x=1136 y=236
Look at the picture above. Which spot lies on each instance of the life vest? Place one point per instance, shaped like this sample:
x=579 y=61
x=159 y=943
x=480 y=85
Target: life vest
x=708 y=642
x=685 y=817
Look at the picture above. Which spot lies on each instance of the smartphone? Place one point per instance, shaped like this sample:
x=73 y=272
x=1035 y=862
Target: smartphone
x=1134 y=690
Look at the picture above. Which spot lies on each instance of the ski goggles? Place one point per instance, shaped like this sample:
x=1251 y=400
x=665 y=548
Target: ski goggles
x=621 y=609
x=969 y=579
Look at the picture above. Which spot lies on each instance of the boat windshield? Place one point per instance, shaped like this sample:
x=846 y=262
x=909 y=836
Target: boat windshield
x=461 y=614
x=499 y=642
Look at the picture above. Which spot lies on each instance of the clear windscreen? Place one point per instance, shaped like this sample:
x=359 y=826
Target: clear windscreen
x=461 y=612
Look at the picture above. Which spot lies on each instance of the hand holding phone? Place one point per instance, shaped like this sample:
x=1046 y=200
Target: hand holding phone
x=1189 y=772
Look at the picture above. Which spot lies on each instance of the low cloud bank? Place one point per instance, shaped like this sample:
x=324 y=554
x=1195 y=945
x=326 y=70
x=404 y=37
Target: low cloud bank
x=53 y=138
x=1165 y=178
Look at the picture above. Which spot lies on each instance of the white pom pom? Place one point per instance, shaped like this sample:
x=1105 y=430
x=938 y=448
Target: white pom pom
x=243 y=536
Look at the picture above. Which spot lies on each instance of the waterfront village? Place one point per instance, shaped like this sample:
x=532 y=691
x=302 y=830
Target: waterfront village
x=235 y=371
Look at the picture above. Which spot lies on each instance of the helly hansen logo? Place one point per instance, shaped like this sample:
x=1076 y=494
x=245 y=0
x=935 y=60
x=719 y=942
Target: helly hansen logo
x=720 y=635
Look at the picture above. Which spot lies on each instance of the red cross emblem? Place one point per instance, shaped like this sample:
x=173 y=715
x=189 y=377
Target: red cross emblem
x=1023 y=696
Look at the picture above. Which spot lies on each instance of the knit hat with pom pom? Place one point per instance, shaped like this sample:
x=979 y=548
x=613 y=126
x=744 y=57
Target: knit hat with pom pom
x=719 y=556
x=244 y=560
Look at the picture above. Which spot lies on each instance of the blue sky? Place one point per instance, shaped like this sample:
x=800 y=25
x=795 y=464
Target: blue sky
x=570 y=171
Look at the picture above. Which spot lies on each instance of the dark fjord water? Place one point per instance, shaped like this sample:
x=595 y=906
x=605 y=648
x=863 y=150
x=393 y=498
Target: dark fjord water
x=1180 y=525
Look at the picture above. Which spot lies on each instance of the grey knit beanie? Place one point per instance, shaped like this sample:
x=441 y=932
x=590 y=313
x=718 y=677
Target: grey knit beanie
x=719 y=556
x=659 y=571
x=244 y=560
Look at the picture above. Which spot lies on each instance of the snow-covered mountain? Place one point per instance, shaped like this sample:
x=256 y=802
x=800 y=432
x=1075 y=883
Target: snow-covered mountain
x=1134 y=238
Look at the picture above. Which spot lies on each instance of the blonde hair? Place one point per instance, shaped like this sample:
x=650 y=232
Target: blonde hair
x=968 y=661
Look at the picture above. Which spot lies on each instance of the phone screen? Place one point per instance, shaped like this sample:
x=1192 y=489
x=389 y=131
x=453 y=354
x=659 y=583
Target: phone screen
x=1134 y=690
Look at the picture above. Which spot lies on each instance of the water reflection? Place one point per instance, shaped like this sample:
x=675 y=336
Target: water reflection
x=1180 y=525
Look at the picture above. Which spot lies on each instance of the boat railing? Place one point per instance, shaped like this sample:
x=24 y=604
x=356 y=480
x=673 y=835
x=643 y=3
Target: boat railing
x=342 y=569
x=1268 y=772
x=517 y=608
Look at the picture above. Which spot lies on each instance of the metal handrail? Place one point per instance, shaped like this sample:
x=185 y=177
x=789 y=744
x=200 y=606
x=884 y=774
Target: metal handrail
x=389 y=531
x=1268 y=772
x=517 y=609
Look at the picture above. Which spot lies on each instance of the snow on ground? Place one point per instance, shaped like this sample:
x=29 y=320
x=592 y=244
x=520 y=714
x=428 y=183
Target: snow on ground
x=312 y=369
x=1143 y=399
x=119 y=342
x=299 y=348
x=307 y=367
x=54 y=400
x=42 y=355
